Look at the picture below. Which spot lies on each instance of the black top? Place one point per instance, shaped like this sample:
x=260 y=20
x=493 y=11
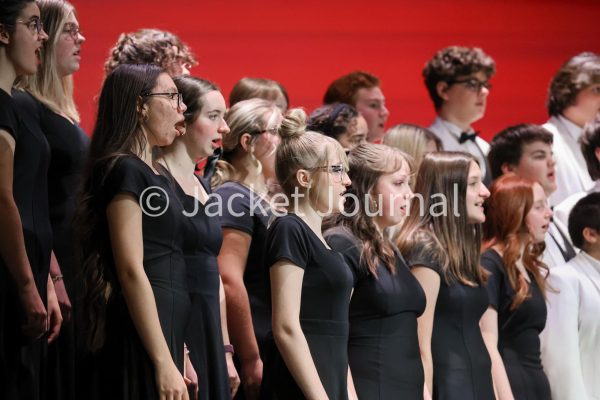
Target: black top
x=30 y=184
x=326 y=289
x=517 y=329
x=461 y=363
x=165 y=230
x=246 y=211
x=383 y=348
x=68 y=145
x=20 y=369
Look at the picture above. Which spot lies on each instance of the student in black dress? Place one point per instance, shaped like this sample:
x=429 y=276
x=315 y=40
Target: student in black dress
x=441 y=238
x=383 y=348
x=206 y=339
x=53 y=111
x=517 y=219
x=245 y=178
x=28 y=306
x=310 y=283
x=132 y=231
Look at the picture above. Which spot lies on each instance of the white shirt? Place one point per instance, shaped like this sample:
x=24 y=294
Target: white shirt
x=449 y=134
x=570 y=343
x=553 y=256
x=571 y=171
x=562 y=211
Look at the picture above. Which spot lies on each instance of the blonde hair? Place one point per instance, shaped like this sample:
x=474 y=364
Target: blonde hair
x=262 y=88
x=46 y=85
x=248 y=116
x=302 y=149
x=412 y=140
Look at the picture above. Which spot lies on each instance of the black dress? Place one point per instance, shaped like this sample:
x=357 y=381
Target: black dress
x=123 y=368
x=326 y=290
x=518 y=331
x=204 y=336
x=68 y=146
x=462 y=368
x=383 y=348
x=22 y=359
x=250 y=214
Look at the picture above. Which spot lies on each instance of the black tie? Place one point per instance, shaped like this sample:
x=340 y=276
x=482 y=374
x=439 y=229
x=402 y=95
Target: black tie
x=464 y=136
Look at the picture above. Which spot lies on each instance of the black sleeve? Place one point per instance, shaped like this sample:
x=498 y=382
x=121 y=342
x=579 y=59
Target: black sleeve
x=345 y=243
x=287 y=240
x=495 y=282
x=127 y=176
x=9 y=120
x=236 y=209
x=425 y=253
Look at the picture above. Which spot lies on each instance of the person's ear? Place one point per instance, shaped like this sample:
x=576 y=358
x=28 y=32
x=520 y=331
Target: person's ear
x=4 y=35
x=507 y=168
x=441 y=89
x=303 y=178
x=142 y=111
x=597 y=153
x=246 y=141
x=590 y=235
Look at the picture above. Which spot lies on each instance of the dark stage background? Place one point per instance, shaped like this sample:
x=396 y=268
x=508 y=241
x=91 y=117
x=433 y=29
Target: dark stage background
x=306 y=44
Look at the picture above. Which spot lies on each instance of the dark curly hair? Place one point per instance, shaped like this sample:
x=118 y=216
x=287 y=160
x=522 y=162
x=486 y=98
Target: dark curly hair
x=343 y=89
x=148 y=46
x=575 y=75
x=332 y=120
x=452 y=62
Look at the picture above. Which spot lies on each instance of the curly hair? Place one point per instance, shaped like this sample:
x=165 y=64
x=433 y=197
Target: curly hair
x=344 y=89
x=149 y=46
x=577 y=74
x=454 y=61
x=332 y=120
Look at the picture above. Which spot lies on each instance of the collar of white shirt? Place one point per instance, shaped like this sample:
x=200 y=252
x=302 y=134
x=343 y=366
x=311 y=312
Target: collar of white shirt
x=453 y=129
x=591 y=260
x=573 y=130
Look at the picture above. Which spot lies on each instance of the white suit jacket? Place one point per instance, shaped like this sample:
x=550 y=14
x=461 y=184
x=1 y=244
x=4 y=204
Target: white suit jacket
x=571 y=339
x=571 y=171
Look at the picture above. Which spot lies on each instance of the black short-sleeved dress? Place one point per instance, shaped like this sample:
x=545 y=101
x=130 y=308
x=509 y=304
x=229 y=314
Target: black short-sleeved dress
x=204 y=336
x=326 y=290
x=250 y=214
x=22 y=359
x=518 y=331
x=462 y=368
x=68 y=146
x=123 y=369
x=383 y=348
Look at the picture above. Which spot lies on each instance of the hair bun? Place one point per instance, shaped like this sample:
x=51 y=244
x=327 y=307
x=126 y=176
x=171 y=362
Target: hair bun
x=293 y=124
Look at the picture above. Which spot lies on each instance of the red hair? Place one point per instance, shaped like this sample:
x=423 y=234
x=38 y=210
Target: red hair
x=510 y=201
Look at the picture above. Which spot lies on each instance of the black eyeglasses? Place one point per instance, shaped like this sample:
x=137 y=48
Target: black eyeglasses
x=73 y=30
x=472 y=84
x=337 y=170
x=175 y=98
x=35 y=25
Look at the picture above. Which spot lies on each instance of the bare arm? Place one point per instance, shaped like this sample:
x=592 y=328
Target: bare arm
x=286 y=290
x=12 y=244
x=430 y=282
x=125 y=228
x=59 y=288
x=489 y=331
x=232 y=264
x=234 y=379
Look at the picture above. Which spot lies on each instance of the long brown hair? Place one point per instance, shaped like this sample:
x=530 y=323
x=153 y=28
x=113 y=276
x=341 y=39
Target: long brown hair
x=367 y=163
x=510 y=201
x=451 y=239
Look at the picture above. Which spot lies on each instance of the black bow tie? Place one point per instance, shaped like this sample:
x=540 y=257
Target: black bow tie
x=464 y=136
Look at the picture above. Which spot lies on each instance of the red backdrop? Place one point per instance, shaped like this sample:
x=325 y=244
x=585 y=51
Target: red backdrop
x=305 y=45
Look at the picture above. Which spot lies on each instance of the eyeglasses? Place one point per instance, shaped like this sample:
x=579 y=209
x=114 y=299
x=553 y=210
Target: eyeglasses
x=273 y=131
x=338 y=171
x=472 y=84
x=175 y=98
x=35 y=25
x=73 y=30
